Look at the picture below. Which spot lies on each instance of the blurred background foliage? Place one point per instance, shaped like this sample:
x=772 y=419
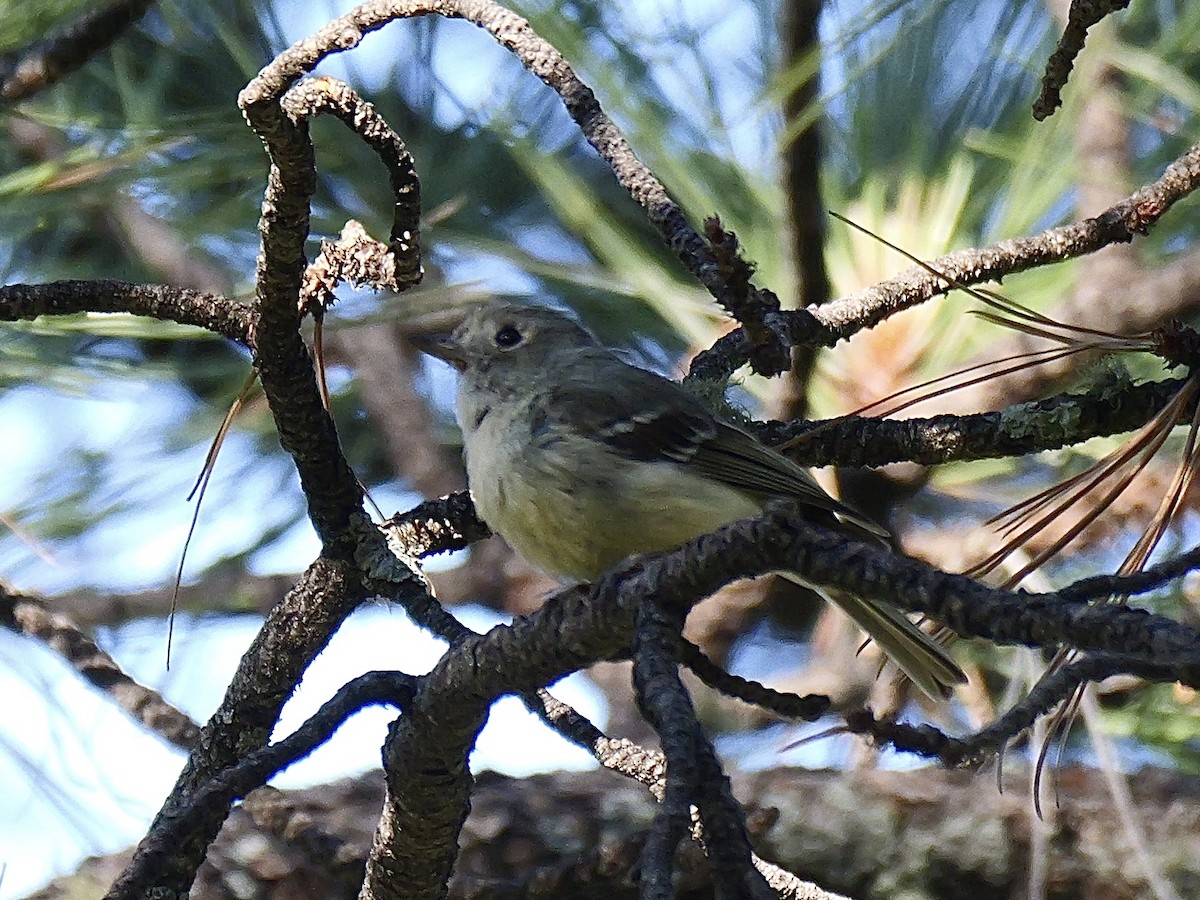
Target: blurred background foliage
x=139 y=167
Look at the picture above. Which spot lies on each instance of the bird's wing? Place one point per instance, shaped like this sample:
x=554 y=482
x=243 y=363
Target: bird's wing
x=649 y=418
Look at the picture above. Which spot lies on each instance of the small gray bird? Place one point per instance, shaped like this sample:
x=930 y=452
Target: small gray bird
x=579 y=460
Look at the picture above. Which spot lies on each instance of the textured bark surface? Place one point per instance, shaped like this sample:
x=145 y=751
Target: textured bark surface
x=912 y=835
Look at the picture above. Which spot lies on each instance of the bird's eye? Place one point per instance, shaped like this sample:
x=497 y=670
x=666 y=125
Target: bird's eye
x=508 y=336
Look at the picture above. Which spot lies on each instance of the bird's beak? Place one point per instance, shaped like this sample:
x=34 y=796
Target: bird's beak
x=443 y=346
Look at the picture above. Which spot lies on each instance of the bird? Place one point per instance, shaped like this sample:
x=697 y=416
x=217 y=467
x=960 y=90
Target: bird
x=579 y=460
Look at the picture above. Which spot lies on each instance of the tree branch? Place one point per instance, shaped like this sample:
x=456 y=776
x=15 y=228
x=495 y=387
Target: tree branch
x=1015 y=431
x=1051 y=690
x=212 y=312
x=50 y=61
x=514 y=33
x=841 y=318
x=295 y=631
x=32 y=617
x=400 y=268
x=156 y=852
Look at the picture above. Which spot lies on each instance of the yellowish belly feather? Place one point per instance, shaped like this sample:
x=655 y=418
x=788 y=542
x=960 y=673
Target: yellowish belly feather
x=578 y=526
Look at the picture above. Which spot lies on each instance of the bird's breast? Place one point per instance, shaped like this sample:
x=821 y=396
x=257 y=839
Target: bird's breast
x=576 y=510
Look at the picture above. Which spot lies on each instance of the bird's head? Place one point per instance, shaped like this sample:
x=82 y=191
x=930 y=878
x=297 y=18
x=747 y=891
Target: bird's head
x=518 y=338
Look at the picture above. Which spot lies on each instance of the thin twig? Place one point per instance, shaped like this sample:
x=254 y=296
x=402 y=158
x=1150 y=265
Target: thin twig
x=1084 y=14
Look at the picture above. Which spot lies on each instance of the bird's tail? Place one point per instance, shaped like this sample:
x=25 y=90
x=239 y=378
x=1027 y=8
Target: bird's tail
x=917 y=654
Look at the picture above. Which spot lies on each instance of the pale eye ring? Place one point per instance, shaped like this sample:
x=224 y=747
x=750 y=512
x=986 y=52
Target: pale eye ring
x=507 y=337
